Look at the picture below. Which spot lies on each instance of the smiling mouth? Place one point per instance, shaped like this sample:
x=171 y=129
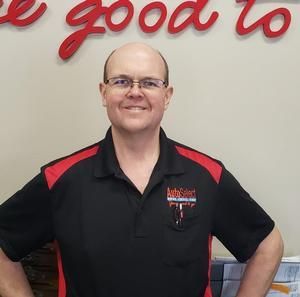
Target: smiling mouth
x=135 y=108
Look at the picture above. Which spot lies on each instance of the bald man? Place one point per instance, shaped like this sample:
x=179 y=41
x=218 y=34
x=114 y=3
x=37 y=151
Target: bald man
x=134 y=215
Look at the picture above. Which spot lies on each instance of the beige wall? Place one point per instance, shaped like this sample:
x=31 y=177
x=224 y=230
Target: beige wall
x=235 y=99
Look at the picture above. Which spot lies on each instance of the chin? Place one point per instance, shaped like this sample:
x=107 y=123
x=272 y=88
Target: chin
x=134 y=128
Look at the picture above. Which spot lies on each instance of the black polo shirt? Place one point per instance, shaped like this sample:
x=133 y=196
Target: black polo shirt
x=113 y=241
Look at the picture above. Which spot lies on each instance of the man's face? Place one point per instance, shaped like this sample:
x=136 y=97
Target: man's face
x=135 y=109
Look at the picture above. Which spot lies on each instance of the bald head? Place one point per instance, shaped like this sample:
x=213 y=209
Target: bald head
x=136 y=49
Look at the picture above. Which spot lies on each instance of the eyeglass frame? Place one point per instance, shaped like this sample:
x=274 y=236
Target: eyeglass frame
x=138 y=82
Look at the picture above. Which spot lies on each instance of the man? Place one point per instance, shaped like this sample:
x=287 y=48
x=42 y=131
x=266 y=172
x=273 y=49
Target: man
x=134 y=215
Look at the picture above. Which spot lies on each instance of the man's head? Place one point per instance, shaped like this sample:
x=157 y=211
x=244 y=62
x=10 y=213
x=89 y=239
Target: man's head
x=135 y=90
x=166 y=77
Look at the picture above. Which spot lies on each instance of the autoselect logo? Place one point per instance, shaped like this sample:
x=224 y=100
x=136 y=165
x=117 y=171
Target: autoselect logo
x=184 y=196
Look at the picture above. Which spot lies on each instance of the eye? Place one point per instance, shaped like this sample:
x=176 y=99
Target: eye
x=122 y=82
x=150 y=83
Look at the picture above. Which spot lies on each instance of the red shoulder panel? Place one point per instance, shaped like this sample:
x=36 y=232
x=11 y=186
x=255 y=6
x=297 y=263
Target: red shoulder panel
x=212 y=166
x=54 y=172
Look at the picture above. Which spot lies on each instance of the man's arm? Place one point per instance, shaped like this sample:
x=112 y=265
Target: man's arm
x=13 y=281
x=262 y=267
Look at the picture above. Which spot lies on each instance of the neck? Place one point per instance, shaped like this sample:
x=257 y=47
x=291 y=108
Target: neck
x=137 y=147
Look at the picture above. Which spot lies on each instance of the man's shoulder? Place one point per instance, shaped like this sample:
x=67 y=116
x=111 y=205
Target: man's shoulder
x=55 y=169
x=184 y=149
x=75 y=156
x=213 y=165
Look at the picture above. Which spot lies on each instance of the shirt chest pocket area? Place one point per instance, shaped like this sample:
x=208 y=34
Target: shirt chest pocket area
x=187 y=241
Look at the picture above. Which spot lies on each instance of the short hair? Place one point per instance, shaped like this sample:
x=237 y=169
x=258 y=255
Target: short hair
x=166 y=78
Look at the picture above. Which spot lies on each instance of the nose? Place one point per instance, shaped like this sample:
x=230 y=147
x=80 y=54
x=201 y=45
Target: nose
x=135 y=90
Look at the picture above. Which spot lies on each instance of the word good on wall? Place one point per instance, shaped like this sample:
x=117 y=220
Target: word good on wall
x=88 y=12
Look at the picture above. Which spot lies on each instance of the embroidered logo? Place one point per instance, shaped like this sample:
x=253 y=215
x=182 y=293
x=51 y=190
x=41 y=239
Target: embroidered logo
x=186 y=197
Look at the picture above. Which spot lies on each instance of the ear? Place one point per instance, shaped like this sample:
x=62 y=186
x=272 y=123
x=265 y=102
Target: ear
x=168 y=95
x=102 y=89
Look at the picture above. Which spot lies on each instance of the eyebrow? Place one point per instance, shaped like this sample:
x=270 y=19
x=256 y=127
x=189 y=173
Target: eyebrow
x=130 y=77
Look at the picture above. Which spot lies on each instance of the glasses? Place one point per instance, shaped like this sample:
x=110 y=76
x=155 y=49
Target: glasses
x=124 y=83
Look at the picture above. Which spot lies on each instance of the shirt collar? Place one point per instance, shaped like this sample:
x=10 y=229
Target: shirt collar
x=106 y=162
x=169 y=161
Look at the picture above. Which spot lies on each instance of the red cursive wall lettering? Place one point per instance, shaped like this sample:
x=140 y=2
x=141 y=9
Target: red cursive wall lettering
x=265 y=21
x=95 y=9
x=19 y=7
x=193 y=18
x=115 y=6
x=88 y=12
x=151 y=6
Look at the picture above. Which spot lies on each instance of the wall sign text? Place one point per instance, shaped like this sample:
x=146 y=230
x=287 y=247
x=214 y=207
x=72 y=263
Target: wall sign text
x=88 y=12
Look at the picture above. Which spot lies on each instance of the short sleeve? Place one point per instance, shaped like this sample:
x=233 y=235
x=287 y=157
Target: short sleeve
x=26 y=220
x=239 y=222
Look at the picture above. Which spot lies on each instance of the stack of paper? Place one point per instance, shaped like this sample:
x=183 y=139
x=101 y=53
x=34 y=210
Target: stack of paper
x=286 y=282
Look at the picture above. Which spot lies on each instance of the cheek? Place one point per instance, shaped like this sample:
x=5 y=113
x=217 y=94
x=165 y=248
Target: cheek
x=158 y=111
x=112 y=101
x=161 y=106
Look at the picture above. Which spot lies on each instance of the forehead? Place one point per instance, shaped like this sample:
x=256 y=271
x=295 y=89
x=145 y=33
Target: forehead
x=136 y=61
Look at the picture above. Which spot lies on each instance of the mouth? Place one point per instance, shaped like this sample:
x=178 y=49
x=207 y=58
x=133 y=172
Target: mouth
x=135 y=108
